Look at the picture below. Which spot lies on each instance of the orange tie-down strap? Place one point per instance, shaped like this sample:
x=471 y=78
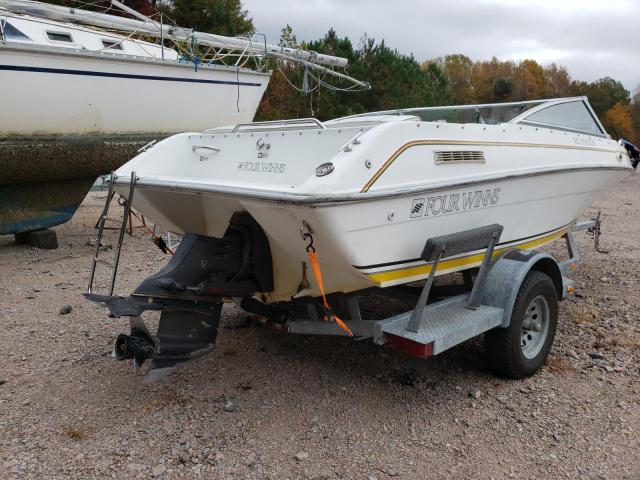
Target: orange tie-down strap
x=329 y=316
x=157 y=239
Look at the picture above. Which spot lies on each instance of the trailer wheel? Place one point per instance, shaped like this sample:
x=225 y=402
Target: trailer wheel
x=520 y=350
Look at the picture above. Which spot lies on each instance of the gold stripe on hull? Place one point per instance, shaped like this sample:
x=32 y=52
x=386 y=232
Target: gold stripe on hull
x=416 y=143
x=457 y=264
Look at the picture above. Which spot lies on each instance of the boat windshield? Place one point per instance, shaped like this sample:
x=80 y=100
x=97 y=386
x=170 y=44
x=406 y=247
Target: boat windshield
x=10 y=33
x=571 y=114
x=490 y=114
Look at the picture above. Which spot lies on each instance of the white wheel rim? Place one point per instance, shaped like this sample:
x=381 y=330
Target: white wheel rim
x=535 y=327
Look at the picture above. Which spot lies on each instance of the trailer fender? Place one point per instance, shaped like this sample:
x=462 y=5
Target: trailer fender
x=507 y=274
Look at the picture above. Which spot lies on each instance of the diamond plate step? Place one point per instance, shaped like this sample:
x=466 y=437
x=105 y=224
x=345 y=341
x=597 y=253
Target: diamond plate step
x=446 y=323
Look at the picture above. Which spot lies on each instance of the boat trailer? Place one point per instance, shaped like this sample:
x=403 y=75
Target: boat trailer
x=512 y=300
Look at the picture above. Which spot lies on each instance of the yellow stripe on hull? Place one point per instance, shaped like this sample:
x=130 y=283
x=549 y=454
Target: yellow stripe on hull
x=455 y=264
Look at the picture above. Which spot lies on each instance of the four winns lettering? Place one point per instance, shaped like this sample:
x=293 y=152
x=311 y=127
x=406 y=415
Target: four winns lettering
x=454 y=202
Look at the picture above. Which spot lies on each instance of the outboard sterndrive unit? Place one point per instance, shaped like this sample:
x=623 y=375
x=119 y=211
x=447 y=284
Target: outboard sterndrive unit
x=633 y=151
x=189 y=291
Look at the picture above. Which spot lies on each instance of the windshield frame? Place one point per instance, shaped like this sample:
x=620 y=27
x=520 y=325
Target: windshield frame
x=523 y=119
x=531 y=107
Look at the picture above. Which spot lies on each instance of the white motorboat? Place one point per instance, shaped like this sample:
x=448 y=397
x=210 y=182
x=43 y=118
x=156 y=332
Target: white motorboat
x=371 y=188
x=82 y=91
x=281 y=214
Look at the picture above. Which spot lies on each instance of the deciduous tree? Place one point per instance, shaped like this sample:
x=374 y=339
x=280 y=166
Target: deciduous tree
x=492 y=80
x=635 y=114
x=619 y=123
x=559 y=80
x=603 y=93
x=457 y=72
x=530 y=81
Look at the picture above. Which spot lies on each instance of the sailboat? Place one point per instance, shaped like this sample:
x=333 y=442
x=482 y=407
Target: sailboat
x=83 y=91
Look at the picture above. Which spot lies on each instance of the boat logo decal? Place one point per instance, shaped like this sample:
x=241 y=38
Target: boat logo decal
x=263 y=148
x=454 y=202
x=588 y=141
x=417 y=207
x=262 y=167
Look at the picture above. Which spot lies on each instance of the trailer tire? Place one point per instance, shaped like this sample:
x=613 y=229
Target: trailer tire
x=520 y=350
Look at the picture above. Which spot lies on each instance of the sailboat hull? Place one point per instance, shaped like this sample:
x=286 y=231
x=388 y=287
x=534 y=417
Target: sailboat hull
x=58 y=92
x=40 y=205
x=76 y=115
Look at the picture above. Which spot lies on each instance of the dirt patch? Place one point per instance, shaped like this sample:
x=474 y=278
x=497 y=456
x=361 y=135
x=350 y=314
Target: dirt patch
x=265 y=405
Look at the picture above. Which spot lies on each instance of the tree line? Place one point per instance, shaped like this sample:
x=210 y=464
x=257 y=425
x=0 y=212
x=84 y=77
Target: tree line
x=397 y=80
x=400 y=81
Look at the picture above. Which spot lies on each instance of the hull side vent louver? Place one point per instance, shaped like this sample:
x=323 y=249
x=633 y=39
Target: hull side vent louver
x=459 y=156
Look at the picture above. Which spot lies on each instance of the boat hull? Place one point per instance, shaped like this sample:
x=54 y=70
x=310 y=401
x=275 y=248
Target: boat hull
x=372 y=194
x=46 y=159
x=68 y=93
x=378 y=242
x=36 y=206
x=44 y=179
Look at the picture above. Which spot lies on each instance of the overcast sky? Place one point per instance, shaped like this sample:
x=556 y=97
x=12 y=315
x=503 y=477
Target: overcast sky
x=592 y=38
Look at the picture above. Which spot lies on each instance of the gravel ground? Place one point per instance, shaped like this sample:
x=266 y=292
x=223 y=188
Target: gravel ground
x=268 y=405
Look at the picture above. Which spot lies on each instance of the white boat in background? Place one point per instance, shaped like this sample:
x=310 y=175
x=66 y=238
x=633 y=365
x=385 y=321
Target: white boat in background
x=372 y=188
x=81 y=92
x=94 y=82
